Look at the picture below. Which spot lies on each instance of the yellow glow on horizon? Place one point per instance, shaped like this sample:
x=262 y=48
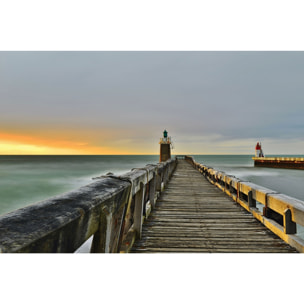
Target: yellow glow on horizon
x=19 y=144
x=15 y=148
x=11 y=143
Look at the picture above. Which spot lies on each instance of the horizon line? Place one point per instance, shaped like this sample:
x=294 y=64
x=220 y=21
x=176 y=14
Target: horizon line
x=137 y=154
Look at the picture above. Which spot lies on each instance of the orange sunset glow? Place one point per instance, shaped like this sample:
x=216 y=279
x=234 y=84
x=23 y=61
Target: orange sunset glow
x=23 y=144
x=60 y=144
x=120 y=102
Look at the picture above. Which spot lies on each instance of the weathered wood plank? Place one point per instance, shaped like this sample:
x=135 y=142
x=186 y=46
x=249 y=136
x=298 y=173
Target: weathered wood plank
x=213 y=250
x=192 y=215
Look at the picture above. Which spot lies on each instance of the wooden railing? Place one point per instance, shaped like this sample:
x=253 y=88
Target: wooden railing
x=111 y=209
x=278 y=212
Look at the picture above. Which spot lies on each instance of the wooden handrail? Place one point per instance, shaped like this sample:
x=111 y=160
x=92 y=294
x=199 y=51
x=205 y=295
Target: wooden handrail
x=280 y=212
x=111 y=209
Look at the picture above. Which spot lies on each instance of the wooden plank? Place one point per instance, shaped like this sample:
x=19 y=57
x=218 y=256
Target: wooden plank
x=192 y=215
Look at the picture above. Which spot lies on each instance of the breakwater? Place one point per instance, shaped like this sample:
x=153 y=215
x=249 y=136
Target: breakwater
x=278 y=212
x=111 y=209
x=279 y=162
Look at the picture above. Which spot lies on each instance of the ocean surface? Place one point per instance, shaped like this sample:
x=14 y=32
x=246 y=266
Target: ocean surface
x=25 y=180
x=286 y=181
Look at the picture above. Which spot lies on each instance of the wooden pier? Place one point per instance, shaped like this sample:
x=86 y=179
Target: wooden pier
x=192 y=215
x=177 y=205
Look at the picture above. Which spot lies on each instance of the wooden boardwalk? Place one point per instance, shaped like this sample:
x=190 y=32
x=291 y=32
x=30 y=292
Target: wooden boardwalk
x=194 y=216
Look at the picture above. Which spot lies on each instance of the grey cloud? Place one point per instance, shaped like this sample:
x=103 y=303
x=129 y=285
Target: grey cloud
x=234 y=94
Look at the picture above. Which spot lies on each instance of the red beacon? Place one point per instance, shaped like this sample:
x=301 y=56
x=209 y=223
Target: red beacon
x=258 y=150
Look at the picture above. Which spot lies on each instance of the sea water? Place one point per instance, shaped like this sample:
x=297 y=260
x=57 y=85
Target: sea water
x=286 y=181
x=25 y=180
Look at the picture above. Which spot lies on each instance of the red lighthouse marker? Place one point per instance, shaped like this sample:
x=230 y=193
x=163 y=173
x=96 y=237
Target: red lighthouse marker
x=258 y=150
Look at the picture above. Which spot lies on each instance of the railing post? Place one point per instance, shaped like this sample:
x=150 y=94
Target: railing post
x=171 y=167
x=158 y=181
x=138 y=210
x=166 y=174
x=230 y=187
x=152 y=186
x=251 y=201
x=290 y=227
x=101 y=238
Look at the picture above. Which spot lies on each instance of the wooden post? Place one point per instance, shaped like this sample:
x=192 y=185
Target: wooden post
x=158 y=181
x=171 y=167
x=138 y=211
x=101 y=239
x=152 y=186
x=251 y=201
x=166 y=174
x=290 y=227
x=230 y=188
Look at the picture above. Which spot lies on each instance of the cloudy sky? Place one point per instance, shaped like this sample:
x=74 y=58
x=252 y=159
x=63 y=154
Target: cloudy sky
x=106 y=102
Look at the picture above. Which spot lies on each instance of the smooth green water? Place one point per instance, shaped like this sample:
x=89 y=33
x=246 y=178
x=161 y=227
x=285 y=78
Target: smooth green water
x=285 y=181
x=28 y=179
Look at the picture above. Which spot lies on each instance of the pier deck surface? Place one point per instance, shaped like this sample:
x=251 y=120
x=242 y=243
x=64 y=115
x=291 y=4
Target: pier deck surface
x=192 y=215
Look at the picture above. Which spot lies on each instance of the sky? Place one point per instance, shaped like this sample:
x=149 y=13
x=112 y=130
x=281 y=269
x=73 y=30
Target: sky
x=119 y=102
